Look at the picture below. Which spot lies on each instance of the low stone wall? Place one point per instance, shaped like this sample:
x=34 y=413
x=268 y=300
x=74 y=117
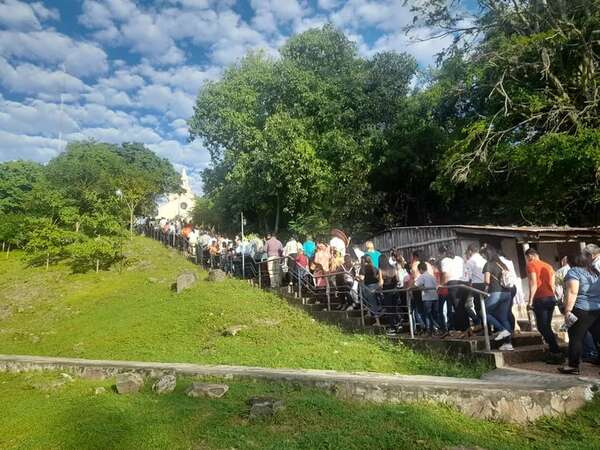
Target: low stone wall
x=497 y=399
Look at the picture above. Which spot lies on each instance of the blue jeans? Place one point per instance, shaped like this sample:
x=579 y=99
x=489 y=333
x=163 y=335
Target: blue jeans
x=543 y=309
x=430 y=308
x=372 y=297
x=497 y=307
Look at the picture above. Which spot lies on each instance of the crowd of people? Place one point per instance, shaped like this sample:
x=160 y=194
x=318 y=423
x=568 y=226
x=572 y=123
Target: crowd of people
x=445 y=294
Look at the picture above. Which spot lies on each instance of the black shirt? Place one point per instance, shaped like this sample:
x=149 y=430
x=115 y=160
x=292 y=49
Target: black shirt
x=495 y=271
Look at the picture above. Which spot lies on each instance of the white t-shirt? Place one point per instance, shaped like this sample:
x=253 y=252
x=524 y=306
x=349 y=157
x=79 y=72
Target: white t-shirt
x=291 y=247
x=338 y=244
x=426 y=280
x=454 y=268
x=474 y=268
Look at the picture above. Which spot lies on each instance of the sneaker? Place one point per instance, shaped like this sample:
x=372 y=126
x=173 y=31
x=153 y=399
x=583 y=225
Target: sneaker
x=568 y=370
x=506 y=347
x=501 y=335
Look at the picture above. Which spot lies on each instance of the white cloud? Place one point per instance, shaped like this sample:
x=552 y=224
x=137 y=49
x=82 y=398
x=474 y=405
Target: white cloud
x=423 y=49
x=175 y=103
x=269 y=14
x=35 y=148
x=80 y=58
x=30 y=79
x=20 y=15
x=385 y=15
x=328 y=4
x=186 y=78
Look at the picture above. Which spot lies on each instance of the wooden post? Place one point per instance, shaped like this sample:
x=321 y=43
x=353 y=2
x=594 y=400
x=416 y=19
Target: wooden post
x=97 y=265
x=47 y=260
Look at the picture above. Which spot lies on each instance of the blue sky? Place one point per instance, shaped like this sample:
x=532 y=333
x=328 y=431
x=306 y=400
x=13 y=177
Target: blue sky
x=130 y=70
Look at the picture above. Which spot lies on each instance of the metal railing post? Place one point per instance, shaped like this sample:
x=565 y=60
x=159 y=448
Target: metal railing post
x=259 y=275
x=411 y=325
x=362 y=305
x=486 y=331
x=299 y=283
x=328 y=293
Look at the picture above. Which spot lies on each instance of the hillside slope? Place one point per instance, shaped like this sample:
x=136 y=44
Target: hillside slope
x=134 y=315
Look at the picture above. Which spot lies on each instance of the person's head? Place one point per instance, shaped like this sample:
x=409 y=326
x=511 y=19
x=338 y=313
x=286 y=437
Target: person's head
x=400 y=259
x=300 y=251
x=472 y=249
x=347 y=260
x=592 y=250
x=369 y=246
x=582 y=260
x=566 y=260
x=309 y=237
x=446 y=251
x=491 y=254
x=368 y=261
x=417 y=255
x=269 y=236
x=422 y=267
x=531 y=254
x=384 y=262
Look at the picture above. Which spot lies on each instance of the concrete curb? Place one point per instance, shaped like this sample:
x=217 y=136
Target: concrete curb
x=501 y=397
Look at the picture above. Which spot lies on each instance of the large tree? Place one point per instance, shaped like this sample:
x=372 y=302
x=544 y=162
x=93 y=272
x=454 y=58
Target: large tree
x=520 y=74
x=297 y=137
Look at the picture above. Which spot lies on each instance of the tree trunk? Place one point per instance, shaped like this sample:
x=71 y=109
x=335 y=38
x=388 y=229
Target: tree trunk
x=47 y=260
x=8 y=251
x=131 y=223
x=276 y=228
x=97 y=265
x=77 y=225
x=3 y=244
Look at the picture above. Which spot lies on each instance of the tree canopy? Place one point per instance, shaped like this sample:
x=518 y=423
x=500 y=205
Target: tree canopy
x=76 y=206
x=504 y=130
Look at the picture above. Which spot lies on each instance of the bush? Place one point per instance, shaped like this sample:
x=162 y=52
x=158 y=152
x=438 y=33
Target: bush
x=95 y=254
x=13 y=229
x=47 y=243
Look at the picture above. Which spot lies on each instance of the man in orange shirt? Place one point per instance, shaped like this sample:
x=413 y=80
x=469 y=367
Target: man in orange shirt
x=542 y=301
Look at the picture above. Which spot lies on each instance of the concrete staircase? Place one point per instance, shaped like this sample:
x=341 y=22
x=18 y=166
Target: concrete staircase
x=528 y=345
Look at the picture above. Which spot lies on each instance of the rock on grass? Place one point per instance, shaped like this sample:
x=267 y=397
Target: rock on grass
x=129 y=383
x=209 y=390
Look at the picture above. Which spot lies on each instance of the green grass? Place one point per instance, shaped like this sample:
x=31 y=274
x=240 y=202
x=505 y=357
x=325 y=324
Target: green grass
x=71 y=416
x=134 y=315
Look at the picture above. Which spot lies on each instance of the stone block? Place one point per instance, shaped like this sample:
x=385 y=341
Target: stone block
x=264 y=406
x=216 y=275
x=209 y=390
x=165 y=384
x=129 y=383
x=185 y=281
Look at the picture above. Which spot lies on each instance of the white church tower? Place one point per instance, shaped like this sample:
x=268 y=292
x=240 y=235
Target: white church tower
x=179 y=205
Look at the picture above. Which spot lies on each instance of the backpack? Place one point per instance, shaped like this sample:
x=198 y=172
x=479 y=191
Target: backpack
x=506 y=280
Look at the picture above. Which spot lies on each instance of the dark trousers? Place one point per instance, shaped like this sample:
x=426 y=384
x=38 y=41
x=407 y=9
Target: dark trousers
x=447 y=323
x=543 y=309
x=458 y=298
x=586 y=320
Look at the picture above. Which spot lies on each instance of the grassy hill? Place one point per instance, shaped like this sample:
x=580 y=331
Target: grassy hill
x=133 y=315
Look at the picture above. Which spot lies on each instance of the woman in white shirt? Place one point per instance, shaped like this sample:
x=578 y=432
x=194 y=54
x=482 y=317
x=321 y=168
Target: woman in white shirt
x=452 y=273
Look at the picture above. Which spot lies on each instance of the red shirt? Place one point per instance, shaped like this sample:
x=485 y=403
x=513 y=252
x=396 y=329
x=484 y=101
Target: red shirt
x=544 y=273
x=302 y=260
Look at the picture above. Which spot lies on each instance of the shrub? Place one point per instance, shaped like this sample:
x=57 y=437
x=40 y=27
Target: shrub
x=95 y=254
